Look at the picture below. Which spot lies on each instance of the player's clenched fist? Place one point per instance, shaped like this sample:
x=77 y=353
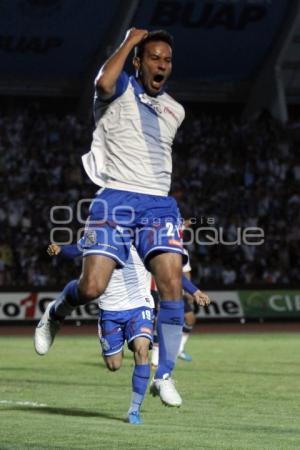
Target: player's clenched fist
x=201 y=298
x=135 y=35
x=53 y=249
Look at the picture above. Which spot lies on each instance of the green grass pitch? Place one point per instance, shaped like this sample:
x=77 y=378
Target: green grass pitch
x=242 y=391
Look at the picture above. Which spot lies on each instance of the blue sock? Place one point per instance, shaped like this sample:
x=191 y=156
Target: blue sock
x=65 y=302
x=140 y=378
x=169 y=329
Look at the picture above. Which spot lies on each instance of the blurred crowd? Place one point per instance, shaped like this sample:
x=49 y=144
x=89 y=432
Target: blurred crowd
x=229 y=176
x=40 y=167
x=236 y=176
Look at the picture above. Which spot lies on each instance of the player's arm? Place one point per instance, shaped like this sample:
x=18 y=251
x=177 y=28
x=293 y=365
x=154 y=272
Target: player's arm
x=109 y=73
x=67 y=251
x=200 y=297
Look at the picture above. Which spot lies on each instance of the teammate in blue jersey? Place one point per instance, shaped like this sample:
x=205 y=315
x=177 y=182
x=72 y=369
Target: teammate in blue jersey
x=125 y=314
x=131 y=160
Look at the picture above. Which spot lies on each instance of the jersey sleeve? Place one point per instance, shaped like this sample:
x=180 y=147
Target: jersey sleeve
x=70 y=251
x=121 y=86
x=101 y=104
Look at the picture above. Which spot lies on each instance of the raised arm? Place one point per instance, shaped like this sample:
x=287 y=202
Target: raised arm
x=110 y=71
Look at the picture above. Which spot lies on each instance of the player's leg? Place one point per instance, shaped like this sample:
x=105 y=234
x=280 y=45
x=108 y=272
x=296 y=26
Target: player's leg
x=114 y=362
x=139 y=335
x=111 y=337
x=167 y=269
x=140 y=378
x=155 y=347
x=104 y=245
x=159 y=245
x=95 y=275
x=90 y=285
x=189 y=322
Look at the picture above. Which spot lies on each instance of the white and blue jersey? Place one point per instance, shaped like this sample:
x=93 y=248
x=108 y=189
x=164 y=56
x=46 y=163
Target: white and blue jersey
x=129 y=287
x=126 y=307
x=131 y=159
x=132 y=142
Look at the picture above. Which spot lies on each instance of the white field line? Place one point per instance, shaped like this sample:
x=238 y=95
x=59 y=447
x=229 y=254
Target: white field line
x=12 y=402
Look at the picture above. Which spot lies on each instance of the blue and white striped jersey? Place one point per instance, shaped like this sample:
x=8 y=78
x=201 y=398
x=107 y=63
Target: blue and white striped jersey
x=128 y=287
x=132 y=142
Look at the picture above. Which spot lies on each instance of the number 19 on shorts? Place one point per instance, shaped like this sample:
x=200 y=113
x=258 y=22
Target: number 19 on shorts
x=146 y=315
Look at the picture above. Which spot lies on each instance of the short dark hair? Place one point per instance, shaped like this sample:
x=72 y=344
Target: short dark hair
x=157 y=35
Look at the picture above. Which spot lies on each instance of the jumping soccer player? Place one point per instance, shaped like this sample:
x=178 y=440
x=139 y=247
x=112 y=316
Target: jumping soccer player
x=130 y=158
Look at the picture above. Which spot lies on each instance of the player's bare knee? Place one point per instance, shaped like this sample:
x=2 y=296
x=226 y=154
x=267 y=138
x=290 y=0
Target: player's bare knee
x=141 y=354
x=113 y=365
x=90 y=289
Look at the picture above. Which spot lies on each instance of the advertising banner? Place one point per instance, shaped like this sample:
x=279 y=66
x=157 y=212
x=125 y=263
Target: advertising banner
x=216 y=39
x=248 y=304
x=31 y=305
x=270 y=304
x=224 y=305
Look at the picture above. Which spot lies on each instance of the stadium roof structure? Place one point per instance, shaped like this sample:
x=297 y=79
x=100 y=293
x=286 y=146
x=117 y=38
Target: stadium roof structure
x=225 y=50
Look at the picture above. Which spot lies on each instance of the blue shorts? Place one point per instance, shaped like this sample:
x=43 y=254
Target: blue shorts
x=116 y=327
x=119 y=218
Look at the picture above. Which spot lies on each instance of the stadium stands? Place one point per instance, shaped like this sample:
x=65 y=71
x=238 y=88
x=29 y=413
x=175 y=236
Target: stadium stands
x=228 y=173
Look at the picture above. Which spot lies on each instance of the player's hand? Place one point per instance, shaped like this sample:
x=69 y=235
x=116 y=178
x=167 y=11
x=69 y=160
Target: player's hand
x=135 y=35
x=53 y=249
x=201 y=298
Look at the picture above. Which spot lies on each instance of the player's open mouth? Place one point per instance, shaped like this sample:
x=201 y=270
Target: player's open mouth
x=157 y=81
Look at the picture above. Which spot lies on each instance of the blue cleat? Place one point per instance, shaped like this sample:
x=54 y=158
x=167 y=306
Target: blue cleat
x=185 y=356
x=134 y=418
